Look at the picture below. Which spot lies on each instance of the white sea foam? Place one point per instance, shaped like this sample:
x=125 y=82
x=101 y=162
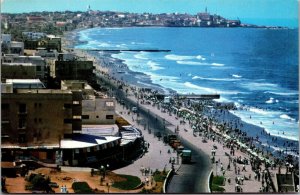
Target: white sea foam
x=283 y=93
x=196 y=77
x=292 y=102
x=217 y=64
x=285 y=116
x=260 y=86
x=199 y=57
x=270 y=101
x=199 y=89
x=154 y=66
x=259 y=111
x=191 y=62
x=140 y=56
x=236 y=76
x=193 y=86
x=214 y=79
x=179 y=57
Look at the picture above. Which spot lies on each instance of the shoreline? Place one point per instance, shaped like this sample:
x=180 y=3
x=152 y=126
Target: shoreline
x=120 y=71
x=111 y=65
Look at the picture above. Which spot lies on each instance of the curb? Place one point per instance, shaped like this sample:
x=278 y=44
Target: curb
x=167 y=180
x=208 y=182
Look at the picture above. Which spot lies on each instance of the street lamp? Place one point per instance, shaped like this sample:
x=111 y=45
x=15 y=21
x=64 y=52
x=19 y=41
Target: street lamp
x=103 y=171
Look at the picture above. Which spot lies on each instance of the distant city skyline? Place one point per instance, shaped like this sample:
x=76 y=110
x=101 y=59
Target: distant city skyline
x=260 y=12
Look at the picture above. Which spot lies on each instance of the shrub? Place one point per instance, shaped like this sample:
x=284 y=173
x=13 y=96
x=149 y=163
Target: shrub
x=218 y=180
x=130 y=183
x=159 y=176
x=82 y=188
x=217 y=188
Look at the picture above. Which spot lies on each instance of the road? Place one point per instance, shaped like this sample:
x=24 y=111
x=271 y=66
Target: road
x=190 y=178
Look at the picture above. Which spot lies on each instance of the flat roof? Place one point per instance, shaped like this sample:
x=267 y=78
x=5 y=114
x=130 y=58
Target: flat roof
x=100 y=130
x=44 y=91
x=25 y=81
x=86 y=141
x=18 y=63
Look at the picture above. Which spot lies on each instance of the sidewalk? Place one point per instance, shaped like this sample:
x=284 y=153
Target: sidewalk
x=157 y=156
x=185 y=132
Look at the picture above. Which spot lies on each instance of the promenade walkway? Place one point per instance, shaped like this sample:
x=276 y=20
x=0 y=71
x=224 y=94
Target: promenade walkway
x=157 y=156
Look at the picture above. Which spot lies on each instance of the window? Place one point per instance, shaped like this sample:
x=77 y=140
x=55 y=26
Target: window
x=38 y=68
x=5 y=106
x=67 y=105
x=40 y=120
x=22 y=108
x=109 y=104
x=22 y=123
x=67 y=120
x=35 y=120
x=85 y=116
x=35 y=105
x=109 y=116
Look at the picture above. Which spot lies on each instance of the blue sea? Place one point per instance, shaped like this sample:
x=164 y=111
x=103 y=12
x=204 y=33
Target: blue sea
x=257 y=69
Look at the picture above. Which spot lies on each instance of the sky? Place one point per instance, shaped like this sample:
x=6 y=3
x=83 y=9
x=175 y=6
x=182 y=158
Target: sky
x=261 y=12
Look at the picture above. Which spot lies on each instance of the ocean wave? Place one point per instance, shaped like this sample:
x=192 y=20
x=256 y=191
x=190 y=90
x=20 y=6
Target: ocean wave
x=205 y=89
x=188 y=62
x=217 y=64
x=255 y=86
x=140 y=56
x=154 y=66
x=282 y=93
x=292 y=102
x=214 y=79
x=270 y=101
x=259 y=111
x=200 y=89
x=285 y=116
x=236 y=75
x=191 y=63
x=199 y=57
x=178 y=57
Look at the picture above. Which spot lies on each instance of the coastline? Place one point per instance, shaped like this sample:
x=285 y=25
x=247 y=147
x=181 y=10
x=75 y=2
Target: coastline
x=117 y=71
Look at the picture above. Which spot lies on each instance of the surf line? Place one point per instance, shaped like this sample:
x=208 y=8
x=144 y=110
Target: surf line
x=136 y=50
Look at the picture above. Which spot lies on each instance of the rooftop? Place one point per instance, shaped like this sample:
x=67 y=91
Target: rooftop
x=25 y=81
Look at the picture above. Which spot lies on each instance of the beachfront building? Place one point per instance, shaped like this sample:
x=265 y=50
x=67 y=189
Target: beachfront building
x=46 y=124
x=37 y=119
x=44 y=53
x=18 y=71
x=9 y=46
x=72 y=70
x=33 y=35
x=53 y=42
x=97 y=108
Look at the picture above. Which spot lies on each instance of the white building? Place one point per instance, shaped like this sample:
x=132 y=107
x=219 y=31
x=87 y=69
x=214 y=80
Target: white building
x=33 y=35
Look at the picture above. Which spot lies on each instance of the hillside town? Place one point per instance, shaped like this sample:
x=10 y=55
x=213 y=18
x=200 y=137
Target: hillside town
x=58 y=22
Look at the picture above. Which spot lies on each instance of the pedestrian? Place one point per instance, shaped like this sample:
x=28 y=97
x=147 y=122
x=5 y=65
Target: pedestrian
x=244 y=168
x=160 y=151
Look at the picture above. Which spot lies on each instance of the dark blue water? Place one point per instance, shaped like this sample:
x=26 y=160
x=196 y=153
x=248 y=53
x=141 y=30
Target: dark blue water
x=255 y=68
